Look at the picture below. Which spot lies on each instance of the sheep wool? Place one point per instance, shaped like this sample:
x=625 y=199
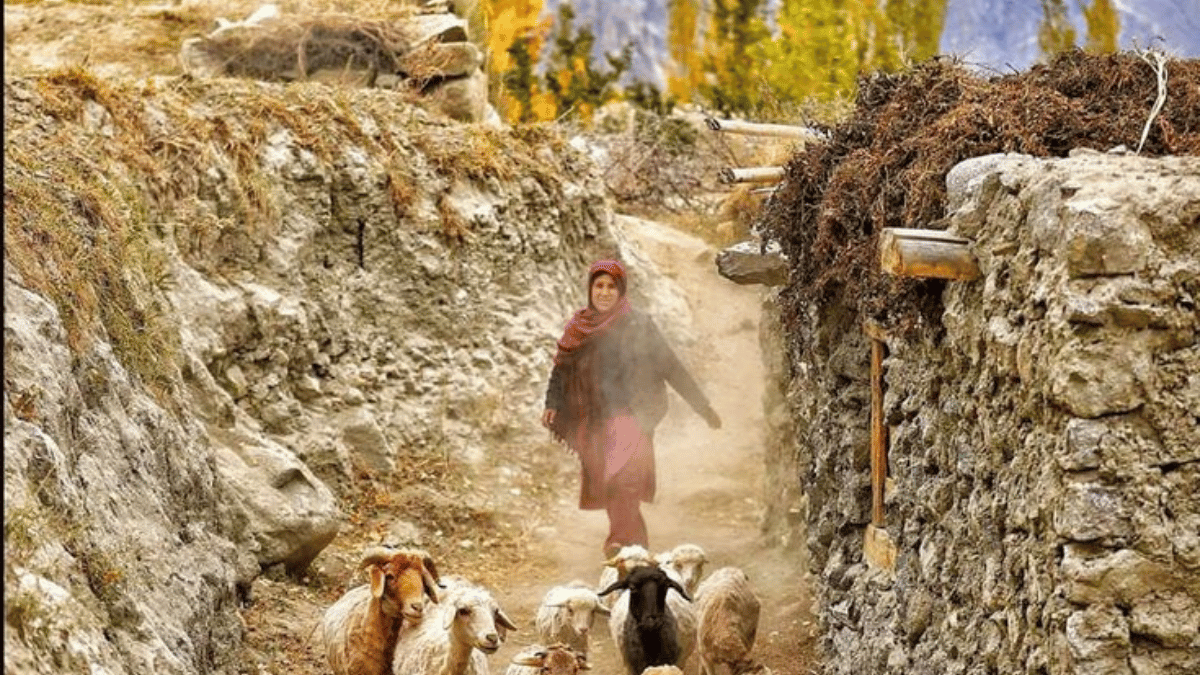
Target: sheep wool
x=727 y=612
x=567 y=613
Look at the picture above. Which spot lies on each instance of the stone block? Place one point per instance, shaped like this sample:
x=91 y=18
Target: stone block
x=1089 y=512
x=1091 y=380
x=454 y=59
x=1099 y=640
x=1081 y=451
x=1101 y=240
x=1171 y=619
x=463 y=99
x=1094 y=576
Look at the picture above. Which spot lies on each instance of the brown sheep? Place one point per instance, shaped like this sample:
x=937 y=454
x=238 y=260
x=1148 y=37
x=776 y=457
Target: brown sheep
x=361 y=629
x=727 y=616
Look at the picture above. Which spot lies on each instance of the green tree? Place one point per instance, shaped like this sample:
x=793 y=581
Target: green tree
x=684 y=41
x=519 y=80
x=575 y=85
x=1103 y=26
x=731 y=74
x=1055 y=33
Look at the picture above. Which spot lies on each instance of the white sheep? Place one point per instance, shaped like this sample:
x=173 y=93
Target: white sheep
x=454 y=639
x=687 y=560
x=566 y=615
x=616 y=567
x=662 y=670
x=649 y=624
x=557 y=659
x=727 y=612
x=361 y=628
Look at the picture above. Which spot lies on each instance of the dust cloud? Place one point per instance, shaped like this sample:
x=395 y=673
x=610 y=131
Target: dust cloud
x=710 y=482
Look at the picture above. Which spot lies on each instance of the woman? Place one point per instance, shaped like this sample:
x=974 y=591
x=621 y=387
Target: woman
x=607 y=392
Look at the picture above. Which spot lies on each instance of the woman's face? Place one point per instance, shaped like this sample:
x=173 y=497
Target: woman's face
x=605 y=292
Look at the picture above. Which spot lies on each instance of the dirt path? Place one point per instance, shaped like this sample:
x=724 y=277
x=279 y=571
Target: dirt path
x=533 y=537
x=710 y=482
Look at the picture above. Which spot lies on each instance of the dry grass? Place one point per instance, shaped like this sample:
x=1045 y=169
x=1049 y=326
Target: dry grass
x=86 y=201
x=885 y=166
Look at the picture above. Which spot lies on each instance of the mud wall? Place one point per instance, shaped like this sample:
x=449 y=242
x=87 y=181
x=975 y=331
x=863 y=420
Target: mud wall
x=1044 y=442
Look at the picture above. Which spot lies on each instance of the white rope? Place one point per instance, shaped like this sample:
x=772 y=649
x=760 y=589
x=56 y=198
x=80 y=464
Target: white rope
x=1159 y=65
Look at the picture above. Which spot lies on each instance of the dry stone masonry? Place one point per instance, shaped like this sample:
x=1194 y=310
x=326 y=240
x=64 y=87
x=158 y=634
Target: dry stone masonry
x=1043 y=492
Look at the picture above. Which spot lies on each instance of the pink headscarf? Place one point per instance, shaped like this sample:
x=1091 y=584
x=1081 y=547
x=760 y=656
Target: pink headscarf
x=588 y=323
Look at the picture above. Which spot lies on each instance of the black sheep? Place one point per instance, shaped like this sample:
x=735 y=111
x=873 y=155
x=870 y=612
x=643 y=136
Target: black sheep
x=651 y=635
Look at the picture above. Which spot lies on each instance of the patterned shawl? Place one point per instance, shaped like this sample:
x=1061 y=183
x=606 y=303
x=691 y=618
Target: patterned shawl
x=576 y=353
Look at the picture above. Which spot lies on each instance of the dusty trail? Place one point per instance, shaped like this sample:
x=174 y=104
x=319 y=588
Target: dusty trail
x=709 y=481
x=709 y=493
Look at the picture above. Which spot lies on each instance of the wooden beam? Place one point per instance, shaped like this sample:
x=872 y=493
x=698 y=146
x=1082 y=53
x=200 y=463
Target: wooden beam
x=932 y=254
x=757 y=129
x=753 y=174
x=878 y=436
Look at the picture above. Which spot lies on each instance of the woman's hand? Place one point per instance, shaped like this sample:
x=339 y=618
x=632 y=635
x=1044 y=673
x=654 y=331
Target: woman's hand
x=548 y=416
x=713 y=419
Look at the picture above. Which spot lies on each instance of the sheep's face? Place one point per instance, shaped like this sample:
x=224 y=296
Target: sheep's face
x=687 y=561
x=477 y=619
x=581 y=611
x=647 y=588
x=555 y=660
x=401 y=584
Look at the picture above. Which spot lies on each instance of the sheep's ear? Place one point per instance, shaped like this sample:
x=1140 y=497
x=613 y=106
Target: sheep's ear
x=377 y=580
x=671 y=583
x=602 y=609
x=504 y=622
x=448 y=617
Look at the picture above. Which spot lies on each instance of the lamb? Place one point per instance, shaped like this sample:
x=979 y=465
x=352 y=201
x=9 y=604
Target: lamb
x=566 y=615
x=361 y=628
x=662 y=670
x=727 y=610
x=688 y=561
x=557 y=659
x=453 y=640
x=648 y=631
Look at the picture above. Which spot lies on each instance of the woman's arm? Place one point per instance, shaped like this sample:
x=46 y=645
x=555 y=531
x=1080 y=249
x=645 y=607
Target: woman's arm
x=555 y=395
x=677 y=375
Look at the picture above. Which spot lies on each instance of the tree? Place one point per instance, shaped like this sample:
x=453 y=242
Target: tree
x=731 y=74
x=574 y=84
x=1103 y=26
x=1055 y=34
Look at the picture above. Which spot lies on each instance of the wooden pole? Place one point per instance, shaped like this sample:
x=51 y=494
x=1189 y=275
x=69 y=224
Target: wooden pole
x=878 y=435
x=926 y=253
x=753 y=174
x=757 y=129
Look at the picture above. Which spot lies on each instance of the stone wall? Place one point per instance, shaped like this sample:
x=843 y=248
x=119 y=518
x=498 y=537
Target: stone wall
x=341 y=336
x=1044 y=456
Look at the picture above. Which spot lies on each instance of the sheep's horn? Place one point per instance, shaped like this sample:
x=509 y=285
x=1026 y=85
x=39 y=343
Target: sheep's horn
x=429 y=565
x=430 y=584
x=620 y=585
x=537 y=660
x=376 y=555
x=671 y=583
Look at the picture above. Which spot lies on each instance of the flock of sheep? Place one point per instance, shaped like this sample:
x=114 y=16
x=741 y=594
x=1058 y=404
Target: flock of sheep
x=409 y=620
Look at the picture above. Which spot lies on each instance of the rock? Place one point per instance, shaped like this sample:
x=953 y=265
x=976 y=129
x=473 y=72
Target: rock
x=291 y=514
x=747 y=263
x=463 y=98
